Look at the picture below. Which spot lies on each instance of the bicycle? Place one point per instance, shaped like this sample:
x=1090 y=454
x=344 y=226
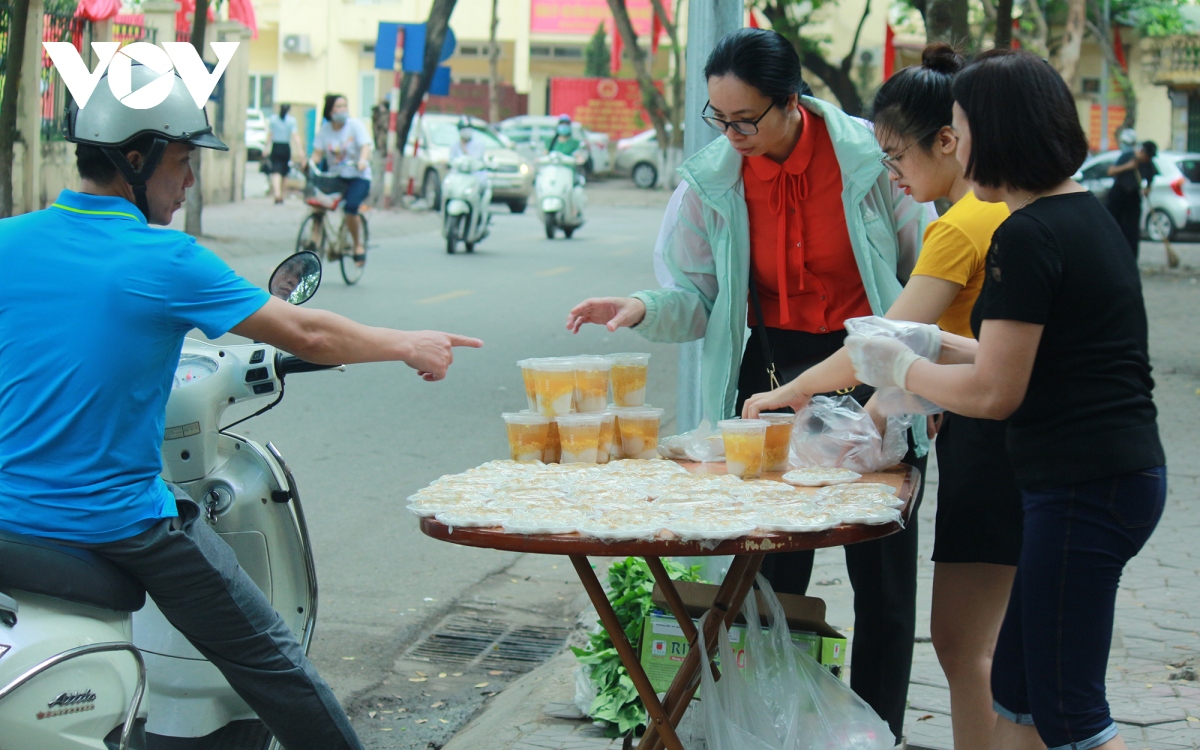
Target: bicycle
x=333 y=243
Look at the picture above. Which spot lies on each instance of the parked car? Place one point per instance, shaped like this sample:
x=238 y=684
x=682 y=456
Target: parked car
x=638 y=157
x=1174 y=201
x=533 y=133
x=256 y=134
x=511 y=173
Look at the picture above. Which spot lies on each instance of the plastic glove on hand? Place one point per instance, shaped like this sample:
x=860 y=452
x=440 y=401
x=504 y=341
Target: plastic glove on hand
x=923 y=338
x=880 y=361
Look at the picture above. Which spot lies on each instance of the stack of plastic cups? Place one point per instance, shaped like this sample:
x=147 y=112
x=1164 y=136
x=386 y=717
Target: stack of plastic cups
x=745 y=440
x=778 y=441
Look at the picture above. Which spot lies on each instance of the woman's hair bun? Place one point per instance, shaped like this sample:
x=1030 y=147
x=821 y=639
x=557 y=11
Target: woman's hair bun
x=942 y=58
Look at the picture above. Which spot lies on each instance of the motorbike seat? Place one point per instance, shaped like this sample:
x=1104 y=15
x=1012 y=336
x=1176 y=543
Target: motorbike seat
x=42 y=566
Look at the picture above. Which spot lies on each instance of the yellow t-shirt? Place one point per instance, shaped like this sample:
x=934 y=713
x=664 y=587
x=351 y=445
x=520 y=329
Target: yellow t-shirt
x=954 y=249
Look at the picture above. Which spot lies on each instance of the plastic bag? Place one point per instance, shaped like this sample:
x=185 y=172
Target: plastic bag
x=894 y=401
x=783 y=699
x=701 y=444
x=923 y=338
x=837 y=432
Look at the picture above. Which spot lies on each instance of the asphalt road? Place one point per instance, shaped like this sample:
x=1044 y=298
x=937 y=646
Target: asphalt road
x=361 y=441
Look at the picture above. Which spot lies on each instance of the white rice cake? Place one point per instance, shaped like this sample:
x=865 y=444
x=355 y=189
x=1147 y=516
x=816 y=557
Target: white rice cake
x=819 y=476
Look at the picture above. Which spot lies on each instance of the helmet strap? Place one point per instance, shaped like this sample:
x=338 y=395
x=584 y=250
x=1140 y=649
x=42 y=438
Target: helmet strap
x=137 y=178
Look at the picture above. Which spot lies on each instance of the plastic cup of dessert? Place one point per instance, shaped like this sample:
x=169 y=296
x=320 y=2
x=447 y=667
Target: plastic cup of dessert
x=744 y=443
x=553 y=451
x=779 y=440
x=554 y=386
x=527 y=370
x=591 y=384
x=608 y=427
x=527 y=435
x=579 y=437
x=629 y=378
x=639 y=431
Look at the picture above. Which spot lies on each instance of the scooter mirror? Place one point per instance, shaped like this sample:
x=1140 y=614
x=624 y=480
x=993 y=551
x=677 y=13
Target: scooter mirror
x=296 y=279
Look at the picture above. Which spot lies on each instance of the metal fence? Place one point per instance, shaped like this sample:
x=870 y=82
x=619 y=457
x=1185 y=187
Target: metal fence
x=127 y=33
x=61 y=28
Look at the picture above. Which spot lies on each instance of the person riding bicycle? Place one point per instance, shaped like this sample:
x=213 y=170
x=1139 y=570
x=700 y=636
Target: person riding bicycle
x=471 y=146
x=93 y=323
x=344 y=143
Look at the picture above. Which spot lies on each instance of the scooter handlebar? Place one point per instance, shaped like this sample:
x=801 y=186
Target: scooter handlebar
x=287 y=365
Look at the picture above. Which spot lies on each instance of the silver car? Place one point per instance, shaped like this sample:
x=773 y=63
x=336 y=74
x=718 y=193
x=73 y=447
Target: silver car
x=638 y=157
x=433 y=135
x=1174 y=201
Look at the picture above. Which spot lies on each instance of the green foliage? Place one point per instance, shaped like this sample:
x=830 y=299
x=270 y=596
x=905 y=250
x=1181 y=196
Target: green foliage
x=597 y=58
x=630 y=585
x=1153 y=18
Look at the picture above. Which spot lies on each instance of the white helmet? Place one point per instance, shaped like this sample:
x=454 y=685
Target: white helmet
x=109 y=124
x=1128 y=137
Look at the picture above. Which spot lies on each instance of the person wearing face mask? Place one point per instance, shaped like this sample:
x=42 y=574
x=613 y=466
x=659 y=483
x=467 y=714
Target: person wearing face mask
x=473 y=147
x=789 y=224
x=564 y=142
x=345 y=144
x=978 y=527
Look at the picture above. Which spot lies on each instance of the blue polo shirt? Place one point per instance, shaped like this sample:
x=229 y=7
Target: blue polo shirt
x=93 y=313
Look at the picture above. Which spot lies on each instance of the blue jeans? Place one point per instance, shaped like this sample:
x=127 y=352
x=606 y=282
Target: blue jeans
x=1052 y=654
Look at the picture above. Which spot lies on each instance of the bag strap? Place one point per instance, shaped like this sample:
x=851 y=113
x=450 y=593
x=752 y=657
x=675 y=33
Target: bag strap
x=768 y=357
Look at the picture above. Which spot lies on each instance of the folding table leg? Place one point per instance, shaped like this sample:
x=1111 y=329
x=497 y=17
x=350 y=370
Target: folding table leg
x=739 y=581
x=658 y=716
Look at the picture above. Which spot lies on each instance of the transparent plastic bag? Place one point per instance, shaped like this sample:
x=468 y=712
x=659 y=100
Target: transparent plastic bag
x=701 y=444
x=782 y=699
x=837 y=432
x=894 y=401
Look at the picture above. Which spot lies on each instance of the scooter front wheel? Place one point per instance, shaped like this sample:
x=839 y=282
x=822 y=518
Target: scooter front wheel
x=452 y=224
x=550 y=226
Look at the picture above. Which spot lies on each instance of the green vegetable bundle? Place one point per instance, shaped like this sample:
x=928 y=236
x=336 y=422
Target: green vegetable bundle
x=630 y=585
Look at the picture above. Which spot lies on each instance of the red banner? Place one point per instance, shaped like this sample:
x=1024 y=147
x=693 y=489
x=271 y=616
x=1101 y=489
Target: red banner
x=602 y=105
x=583 y=16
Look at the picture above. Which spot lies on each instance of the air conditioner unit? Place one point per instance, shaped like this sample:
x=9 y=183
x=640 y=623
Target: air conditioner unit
x=297 y=44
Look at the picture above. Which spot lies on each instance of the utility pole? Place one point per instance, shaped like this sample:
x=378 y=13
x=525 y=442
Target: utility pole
x=1106 y=27
x=494 y=69
x=708 y=22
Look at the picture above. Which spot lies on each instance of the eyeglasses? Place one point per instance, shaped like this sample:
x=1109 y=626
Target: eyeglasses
x=744 y=127
x=890 y=161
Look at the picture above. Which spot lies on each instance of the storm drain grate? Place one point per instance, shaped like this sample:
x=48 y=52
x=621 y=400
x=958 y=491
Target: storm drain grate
x=525 y=648
x=462 y=639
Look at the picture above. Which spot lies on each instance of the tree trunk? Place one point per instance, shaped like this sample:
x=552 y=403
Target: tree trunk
x=1068 y=56
x=836 y=78
x=652 y=98
x=195 y=196
x=1004 y=24
x=417 y=86
x=1039 y=41
x=673 y=154
x=494 y=69
x=15 y=54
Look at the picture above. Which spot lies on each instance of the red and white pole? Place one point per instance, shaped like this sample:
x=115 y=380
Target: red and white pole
x=389 y=175
x=417 y=141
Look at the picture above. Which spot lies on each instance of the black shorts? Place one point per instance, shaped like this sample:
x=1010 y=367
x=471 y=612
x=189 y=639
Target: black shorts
x=281 y=154
x=979 y=513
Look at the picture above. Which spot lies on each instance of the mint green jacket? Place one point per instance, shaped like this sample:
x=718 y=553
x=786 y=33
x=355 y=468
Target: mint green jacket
x=703 y=257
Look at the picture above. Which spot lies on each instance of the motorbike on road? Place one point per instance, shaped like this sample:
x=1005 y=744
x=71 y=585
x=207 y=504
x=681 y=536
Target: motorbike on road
x=86 y=661
x=466 y=204
x=559 y=194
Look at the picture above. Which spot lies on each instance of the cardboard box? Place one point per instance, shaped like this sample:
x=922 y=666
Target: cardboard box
x=664 y=646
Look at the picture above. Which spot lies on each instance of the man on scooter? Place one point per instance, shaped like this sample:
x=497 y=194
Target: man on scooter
x=92 y=320
x=471 y=146
x=565 y=142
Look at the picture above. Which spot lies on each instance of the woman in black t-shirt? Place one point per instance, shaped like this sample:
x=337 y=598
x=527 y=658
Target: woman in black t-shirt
x=1062 y=353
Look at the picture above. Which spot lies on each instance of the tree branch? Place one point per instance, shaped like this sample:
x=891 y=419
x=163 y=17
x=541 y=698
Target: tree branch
x=848 y=60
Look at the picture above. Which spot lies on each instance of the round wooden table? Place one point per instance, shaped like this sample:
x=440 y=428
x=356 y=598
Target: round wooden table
x=748 y=552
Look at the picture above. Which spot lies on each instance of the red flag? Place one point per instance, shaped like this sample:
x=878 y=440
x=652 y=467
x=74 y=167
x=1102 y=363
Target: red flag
x=753 y=20
x=656 y=29
x=98 y=10
x=242 y=11
x=1119 y=48
x=889 y=53
x=617 y=48
x=1016 y=40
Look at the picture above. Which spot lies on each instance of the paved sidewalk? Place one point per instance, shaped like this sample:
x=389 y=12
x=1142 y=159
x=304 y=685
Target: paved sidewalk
x=1155 y=656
